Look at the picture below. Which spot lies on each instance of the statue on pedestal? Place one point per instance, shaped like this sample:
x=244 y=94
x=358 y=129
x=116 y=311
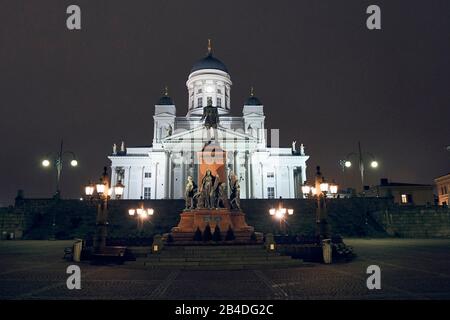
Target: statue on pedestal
x=207 y=188
x=235 y=195
x=211 y=117
x=189 y=193
x=221 y=196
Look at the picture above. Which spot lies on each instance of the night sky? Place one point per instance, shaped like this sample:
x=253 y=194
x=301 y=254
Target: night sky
x=325 y=80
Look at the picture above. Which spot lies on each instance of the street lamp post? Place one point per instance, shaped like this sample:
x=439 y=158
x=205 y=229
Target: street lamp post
x=281 y=214
x=57 y=159
x=361 y=158
x=100 y=193
x=319 y=192
x=141 y=215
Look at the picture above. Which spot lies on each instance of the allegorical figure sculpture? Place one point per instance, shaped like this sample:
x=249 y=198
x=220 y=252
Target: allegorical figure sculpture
x=211 y=117
x=235 y=194
x=207 y=189
x=221 y=196
x=189 y=193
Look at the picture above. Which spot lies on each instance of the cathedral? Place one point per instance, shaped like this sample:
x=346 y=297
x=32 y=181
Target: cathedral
x=160 y=171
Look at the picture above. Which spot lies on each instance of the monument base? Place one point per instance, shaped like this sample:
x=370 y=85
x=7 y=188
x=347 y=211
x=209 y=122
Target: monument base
x=190 y=220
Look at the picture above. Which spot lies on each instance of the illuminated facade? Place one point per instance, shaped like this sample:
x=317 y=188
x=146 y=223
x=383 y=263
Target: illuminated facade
x=160 y=170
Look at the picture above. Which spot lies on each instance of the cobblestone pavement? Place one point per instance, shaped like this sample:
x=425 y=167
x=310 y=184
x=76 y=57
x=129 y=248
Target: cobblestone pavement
x=410 y=269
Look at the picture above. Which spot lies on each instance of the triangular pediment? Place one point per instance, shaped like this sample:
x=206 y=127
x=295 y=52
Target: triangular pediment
x=200 y=134
x=254 y=115
x=164 y=114
x=197 y=138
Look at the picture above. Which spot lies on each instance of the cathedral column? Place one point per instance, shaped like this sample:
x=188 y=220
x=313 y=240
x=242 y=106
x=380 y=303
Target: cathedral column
x=183 y=160
x=113 y=181
x=291 y=181
x=155 y=180
x=170 y=176
x=127 y=183
x=250 y=172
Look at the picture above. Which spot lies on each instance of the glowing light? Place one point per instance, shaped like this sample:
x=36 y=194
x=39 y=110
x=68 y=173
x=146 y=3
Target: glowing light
x=131 y=212
x=272 y=211
x=348 y=164
x=89 y=190
x=333 y=188
x=324 y=187
x=118 y=189
x=290 y=212
x=306 y=189
x=150 y=212
x=74 y=163
x=279 y=214
x=210 y=89
x=45 y=163
x=100 y=188
x=374 y=164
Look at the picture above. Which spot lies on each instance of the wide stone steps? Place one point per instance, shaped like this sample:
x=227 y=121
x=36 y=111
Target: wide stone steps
x=217 y=258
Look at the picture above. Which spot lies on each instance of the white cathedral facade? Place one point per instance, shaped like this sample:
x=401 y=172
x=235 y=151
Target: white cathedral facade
x=160 y=171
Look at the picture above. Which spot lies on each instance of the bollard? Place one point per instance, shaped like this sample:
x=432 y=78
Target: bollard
x=327 y=251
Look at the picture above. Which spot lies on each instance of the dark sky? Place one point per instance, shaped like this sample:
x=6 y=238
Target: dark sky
x=325 y=80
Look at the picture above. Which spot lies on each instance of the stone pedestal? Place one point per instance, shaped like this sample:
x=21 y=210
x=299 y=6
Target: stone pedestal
x=190 y=220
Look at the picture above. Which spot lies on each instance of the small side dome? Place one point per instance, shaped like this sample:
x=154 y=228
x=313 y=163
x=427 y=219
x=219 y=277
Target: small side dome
x=253 y=100
x=165 y=100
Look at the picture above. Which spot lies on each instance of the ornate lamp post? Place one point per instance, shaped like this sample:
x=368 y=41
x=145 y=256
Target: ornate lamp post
x=319 y=192
x=141 y=215
x=361 y=158
x=57 y=159
x=100 y=192
x=281 y=214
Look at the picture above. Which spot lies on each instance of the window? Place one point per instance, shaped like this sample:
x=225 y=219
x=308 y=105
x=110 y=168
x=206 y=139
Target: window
x=199 y=90
x=219 y=91
x=271 y=192
x=219 y=102
x=200 y=102
x=147 y=175
x=147 y=193
x=270 y=175
x=406 y=198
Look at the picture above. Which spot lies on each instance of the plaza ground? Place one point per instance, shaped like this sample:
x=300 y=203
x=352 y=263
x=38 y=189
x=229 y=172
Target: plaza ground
x=410 y=269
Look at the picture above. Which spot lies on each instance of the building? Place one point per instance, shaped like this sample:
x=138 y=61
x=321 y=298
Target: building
x=160 y=171
x=443 y=189
x=404 y=193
